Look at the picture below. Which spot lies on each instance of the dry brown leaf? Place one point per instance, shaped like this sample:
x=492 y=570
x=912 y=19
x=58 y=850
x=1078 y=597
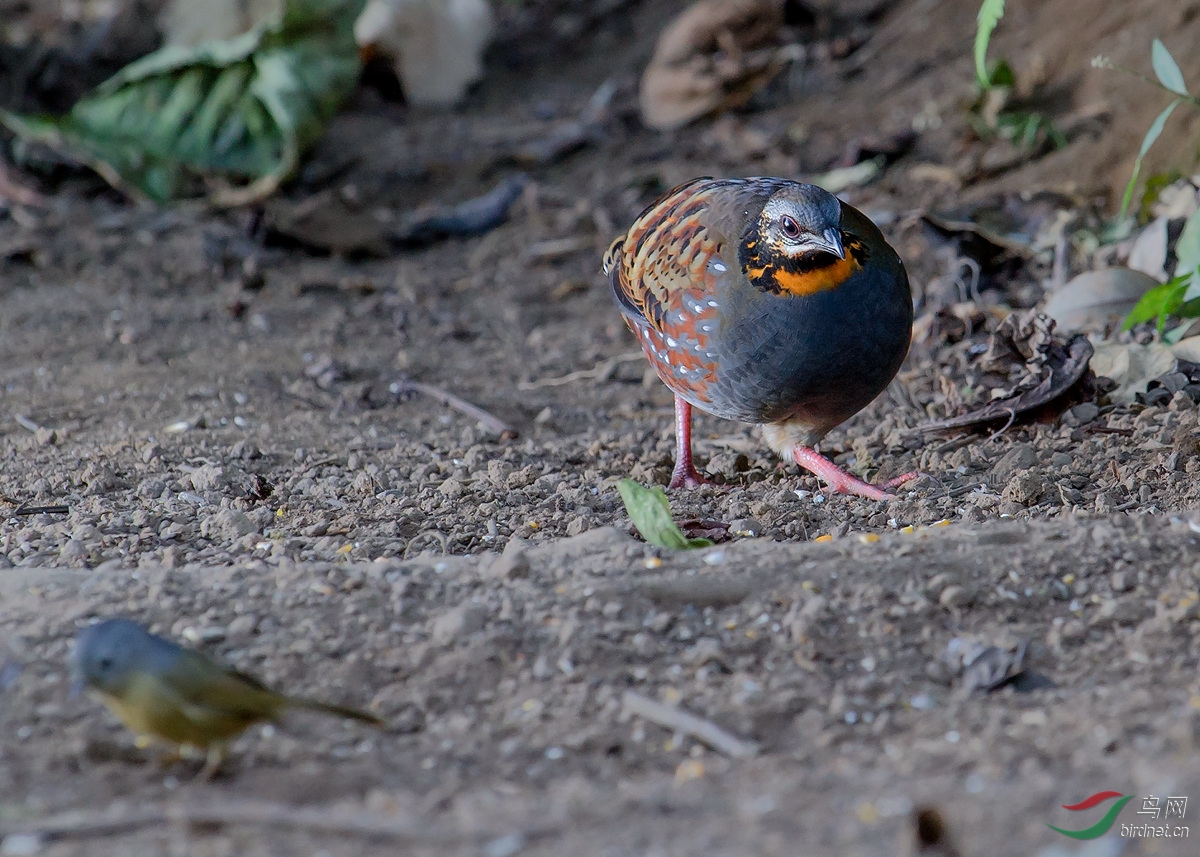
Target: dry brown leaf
x=1149 y=251
x=714 y=56
x=1132 y=366
x=1094 y=298
x=1187 y=349
x=1025 y=367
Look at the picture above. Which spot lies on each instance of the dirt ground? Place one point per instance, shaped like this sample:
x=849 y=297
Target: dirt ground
x=221 y=408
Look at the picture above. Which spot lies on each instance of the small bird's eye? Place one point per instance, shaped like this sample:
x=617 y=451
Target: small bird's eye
x=790 y=227
x=106 y=663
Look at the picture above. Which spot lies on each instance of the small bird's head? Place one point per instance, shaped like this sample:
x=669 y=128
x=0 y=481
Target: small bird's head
x=110 y=654
x=803 y=222
x=796 y=246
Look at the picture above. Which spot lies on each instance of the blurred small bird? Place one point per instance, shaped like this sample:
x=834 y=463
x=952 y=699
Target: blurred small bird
x=177 y=695
x=765 y=301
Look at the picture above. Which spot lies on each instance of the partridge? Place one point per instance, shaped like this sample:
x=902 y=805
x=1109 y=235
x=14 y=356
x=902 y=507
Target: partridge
x=765 y=301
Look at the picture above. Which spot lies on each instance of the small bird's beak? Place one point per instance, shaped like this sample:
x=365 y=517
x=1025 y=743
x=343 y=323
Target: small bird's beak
x=78 y=686
x=831 y=242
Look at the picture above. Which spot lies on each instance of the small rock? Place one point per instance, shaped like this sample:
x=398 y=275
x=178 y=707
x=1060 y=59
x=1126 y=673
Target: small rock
x=245 y=449
x=498 y=472
x=1024 y=488
x=364 y=485
x=1020 y=457
x=1114 y=611
x=703 y=651
x=749 y=527
x=1069 y=631
x=512 y=563
x=210 y=477
x=955 y=597
x=728 y=464
x=461 y=621
x=452 y=488
x=522 y=478
x=45 y=436
x=1120 y=582
x=243 y=626
x=151 y=489
x=227 y=525
x=74 y=553
x=1081 y=414
x=1061 y=459
x=937 y=584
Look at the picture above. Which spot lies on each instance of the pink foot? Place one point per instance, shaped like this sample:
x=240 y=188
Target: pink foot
x=684 y=475
x=842 y=482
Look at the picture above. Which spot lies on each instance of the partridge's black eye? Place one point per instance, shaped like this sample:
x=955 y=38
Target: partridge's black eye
x=105 y=664
x=790 y=227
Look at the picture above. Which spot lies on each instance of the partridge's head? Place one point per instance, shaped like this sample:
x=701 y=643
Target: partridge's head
x=797 y=246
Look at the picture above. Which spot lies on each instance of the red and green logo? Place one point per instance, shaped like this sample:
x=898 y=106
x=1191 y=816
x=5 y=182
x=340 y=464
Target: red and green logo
x=1100 y=827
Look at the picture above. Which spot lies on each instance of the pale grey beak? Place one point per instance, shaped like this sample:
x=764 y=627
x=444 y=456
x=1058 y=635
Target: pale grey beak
x=831 y=242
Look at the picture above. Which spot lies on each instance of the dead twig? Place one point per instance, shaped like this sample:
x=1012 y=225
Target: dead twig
x=24 y=510
x=557 y=248
x=704 y=731
x=26 y=423
x=601 y=370
x=964 y=489
x=439 y=536
x=1012 y=416
x=490 y=420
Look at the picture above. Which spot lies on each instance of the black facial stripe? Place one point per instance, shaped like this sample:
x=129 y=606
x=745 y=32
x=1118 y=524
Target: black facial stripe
x=805 y=263
x=752 y=257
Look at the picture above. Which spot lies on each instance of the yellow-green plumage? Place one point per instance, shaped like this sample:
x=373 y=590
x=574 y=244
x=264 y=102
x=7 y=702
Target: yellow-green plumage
x=177 y=695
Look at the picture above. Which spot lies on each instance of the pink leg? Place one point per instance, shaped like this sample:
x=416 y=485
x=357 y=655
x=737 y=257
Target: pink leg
x=841 y=481
x=684 y=475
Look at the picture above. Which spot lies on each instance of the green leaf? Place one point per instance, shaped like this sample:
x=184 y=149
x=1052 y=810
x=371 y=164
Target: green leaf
x=1159 y=302
x=239 y=111
x=990 y=14
x=1002 y=75
x=1166 y=69
x=1152 y=134
x=651 y=514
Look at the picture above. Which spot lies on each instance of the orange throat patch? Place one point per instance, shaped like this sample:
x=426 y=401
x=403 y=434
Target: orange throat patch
x=803 y=283
x=800 y=277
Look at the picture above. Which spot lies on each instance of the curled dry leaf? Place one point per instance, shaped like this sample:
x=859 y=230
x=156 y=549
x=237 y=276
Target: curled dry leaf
x=714 y=56
x=1094 y=298
x=987 y=667
x=1026 y=368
